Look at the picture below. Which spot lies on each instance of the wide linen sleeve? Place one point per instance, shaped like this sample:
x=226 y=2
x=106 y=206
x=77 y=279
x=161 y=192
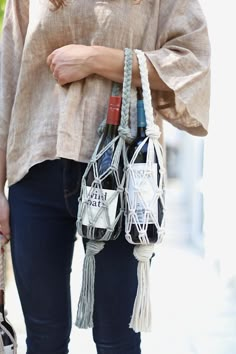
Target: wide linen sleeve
x=182 y=60
x=14 y=29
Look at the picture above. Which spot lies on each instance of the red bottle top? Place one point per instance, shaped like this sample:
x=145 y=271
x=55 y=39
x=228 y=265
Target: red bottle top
x=114 y=108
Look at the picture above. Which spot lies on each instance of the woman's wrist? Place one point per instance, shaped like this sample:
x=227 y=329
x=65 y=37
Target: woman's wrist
x=108 y=62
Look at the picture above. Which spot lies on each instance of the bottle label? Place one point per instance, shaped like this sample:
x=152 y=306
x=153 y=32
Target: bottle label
x=8 y=349
x=141 y=193
x=96 y=202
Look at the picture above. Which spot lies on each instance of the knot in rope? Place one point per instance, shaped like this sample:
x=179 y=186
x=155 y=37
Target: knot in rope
x=128 y=167
x=120 y=189
x=162 y=170
x=159 y=192
x=153 y=131
x=94 y=247
x=124 y=132
x=92 y=160
x=132 y=211
x=96 y=180
x=113 y=168
x=143 y=253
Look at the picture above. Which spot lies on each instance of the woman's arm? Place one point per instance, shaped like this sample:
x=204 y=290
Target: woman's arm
x=179 y=66
x=14 y=29
x=2 y=170
x=4 y=207
x=109 y=63
x=75 y=62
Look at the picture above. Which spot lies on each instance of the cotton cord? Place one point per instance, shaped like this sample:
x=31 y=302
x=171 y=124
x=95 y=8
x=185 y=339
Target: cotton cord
x=2 y=265
x=86 y=302
x=144 y=193
x=141 y=317
x=133 y=112
x=124 y=130
x=86 y=214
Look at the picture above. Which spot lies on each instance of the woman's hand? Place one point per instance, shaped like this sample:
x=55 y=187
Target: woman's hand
x=4 y=218
x=71 y=63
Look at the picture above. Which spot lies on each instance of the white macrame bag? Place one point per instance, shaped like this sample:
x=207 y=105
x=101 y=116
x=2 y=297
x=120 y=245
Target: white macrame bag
x=85 y=210
x=145 y=194
x=3 y=329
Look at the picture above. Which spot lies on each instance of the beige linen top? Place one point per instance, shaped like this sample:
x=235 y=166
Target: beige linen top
x=41 y=120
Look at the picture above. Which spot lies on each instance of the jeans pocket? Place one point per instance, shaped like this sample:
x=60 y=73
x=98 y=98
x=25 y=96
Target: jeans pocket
x=72 y=176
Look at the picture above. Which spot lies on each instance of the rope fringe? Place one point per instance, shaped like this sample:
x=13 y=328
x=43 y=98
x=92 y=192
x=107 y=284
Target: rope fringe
x=141 y=317
x=86 y=301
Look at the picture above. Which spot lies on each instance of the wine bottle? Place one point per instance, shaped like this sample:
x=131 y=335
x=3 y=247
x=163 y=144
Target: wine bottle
x=146 y=190
x=109 y=182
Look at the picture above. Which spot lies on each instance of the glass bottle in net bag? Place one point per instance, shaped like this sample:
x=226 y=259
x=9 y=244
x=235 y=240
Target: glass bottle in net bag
x=109 y=178
x=139 y=188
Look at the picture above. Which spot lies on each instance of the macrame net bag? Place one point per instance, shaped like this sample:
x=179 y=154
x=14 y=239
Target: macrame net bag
x=2 y=287
x=151 y=183
x=86 y=213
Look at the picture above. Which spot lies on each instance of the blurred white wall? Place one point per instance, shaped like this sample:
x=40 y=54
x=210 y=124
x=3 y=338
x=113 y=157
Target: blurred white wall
x=219 y=183
x=209 y=200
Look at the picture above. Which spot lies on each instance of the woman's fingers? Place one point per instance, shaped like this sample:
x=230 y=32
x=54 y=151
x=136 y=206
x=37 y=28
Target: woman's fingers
x=4 y=240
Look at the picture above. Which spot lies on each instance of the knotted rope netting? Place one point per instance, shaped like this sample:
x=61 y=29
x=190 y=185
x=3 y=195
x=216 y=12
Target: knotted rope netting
x=87 y=215
x=3 y=329
x=144 y=196
x=152 y=179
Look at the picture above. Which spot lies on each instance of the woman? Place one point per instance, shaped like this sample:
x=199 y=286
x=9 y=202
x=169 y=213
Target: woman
x=58 y=60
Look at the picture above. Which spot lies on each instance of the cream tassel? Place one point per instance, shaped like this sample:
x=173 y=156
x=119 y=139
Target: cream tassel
x=141 y=317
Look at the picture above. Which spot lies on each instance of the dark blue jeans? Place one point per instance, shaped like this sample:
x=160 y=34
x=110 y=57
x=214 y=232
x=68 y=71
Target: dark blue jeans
x=43 y=209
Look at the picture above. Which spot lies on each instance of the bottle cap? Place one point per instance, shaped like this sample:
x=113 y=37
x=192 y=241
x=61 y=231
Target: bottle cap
x=114 y=109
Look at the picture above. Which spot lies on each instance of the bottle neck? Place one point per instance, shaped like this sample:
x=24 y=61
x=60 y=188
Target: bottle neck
x=141 y=132
x=113 y=117
x=111 y=130
x=141 y=119
x=114 y=109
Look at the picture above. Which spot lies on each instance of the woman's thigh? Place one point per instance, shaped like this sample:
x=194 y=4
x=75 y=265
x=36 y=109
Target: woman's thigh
x=115 y=291
x=42 y=242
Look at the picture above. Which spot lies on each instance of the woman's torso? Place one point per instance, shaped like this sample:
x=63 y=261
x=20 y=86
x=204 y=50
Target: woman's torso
x=49 y=121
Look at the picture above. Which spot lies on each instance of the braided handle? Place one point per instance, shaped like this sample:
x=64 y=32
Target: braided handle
x=2 y=264
x=153 y=129
x=124 y=130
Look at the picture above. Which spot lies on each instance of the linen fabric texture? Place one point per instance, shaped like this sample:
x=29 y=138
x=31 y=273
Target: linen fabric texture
x=41 y=120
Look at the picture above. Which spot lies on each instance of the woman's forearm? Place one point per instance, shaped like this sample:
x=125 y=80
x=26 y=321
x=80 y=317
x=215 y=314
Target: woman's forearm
x=75 y=62
x=109 y=63
x=2 y=170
